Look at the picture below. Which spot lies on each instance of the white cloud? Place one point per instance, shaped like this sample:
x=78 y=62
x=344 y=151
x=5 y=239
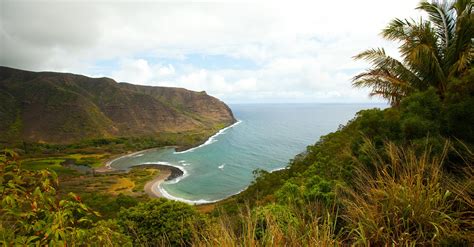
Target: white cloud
x=300 y=50
x=166 y=70
x=138 y=71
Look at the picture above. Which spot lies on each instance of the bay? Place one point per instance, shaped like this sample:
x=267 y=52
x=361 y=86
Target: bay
x=266 y=137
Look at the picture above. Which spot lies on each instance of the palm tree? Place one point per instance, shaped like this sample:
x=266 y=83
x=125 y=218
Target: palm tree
x=433 y=52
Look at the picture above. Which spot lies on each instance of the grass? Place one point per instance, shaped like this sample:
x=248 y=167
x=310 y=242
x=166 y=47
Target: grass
x=131 y=183
x=272 y=225
x=53 y=164
x=408 y=200
x=140 y=176
x=122 y=185
x=91 y=160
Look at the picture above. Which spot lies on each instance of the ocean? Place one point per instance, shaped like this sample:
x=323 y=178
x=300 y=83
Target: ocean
x=266 y=137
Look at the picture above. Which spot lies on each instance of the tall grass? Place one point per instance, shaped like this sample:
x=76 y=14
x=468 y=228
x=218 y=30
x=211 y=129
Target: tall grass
x=268 y=226
x=407 y=200
x=403 y=199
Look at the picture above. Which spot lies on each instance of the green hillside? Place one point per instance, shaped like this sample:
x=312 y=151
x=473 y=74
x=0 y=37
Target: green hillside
x=60 y=108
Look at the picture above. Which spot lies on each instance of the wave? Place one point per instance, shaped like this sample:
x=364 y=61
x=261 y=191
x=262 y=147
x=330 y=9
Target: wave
x=192 y=202
x=184 y=163
x=211 y=139
x=135 y=154
x=174 y=198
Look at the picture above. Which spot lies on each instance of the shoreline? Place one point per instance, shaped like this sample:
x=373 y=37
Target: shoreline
x=209 y=140
x=177 y=149
x=168 y=171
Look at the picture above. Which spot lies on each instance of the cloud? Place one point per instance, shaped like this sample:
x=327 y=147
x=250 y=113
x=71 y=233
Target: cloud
x=265 y=51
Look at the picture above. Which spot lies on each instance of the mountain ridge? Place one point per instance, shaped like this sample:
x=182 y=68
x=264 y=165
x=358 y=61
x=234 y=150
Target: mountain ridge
x=50 y=107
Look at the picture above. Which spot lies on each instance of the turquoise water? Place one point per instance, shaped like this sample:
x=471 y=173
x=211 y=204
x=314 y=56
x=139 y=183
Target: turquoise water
x=266 y=137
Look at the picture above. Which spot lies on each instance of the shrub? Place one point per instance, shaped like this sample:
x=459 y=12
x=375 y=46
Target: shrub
x=160 y=222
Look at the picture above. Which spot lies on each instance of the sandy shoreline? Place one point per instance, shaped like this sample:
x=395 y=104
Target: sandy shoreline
x=150 y=185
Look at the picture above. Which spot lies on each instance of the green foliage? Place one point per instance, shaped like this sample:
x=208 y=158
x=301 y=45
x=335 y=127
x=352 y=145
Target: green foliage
x=459 y=108
x=289 y=194
x=160 y=222
x=108 y=206
x=320 y=189
x=105 y=233
x=421 y=115
x=31 y=212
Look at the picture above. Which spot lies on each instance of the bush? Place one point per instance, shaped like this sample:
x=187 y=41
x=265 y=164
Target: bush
x=421 y=115
x=161 y=222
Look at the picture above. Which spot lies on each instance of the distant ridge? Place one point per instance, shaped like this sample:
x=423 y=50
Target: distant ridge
x=65 y=108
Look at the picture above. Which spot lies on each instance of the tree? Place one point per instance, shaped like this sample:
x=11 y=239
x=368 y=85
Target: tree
x=433 y=51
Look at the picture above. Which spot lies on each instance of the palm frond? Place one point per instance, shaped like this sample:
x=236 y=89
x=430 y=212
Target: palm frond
x=433 y=50
x=421 y=53
x=380 y=60
x=442 y=17
x=388 y=77
x=396 y=30
x=460 y=53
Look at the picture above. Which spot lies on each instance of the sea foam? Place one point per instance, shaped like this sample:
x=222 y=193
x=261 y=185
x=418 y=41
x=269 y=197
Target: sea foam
x=211 y=139
x=192 y=202
x=135 y=154
x=174 y=198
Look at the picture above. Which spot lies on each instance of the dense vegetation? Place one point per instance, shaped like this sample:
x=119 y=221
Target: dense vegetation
x=399 y=176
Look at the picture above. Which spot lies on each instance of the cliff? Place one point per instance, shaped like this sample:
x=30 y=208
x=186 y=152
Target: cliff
x=64 y=108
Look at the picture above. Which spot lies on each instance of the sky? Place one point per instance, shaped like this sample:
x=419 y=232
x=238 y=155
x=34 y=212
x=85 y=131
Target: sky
x=239 y=51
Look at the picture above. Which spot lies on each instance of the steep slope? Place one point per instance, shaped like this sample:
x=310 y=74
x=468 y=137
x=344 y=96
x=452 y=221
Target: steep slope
x=65 y=108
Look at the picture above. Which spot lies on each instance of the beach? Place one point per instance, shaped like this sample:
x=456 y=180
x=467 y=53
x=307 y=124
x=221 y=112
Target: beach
x=150 y=185
x=166 y=173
